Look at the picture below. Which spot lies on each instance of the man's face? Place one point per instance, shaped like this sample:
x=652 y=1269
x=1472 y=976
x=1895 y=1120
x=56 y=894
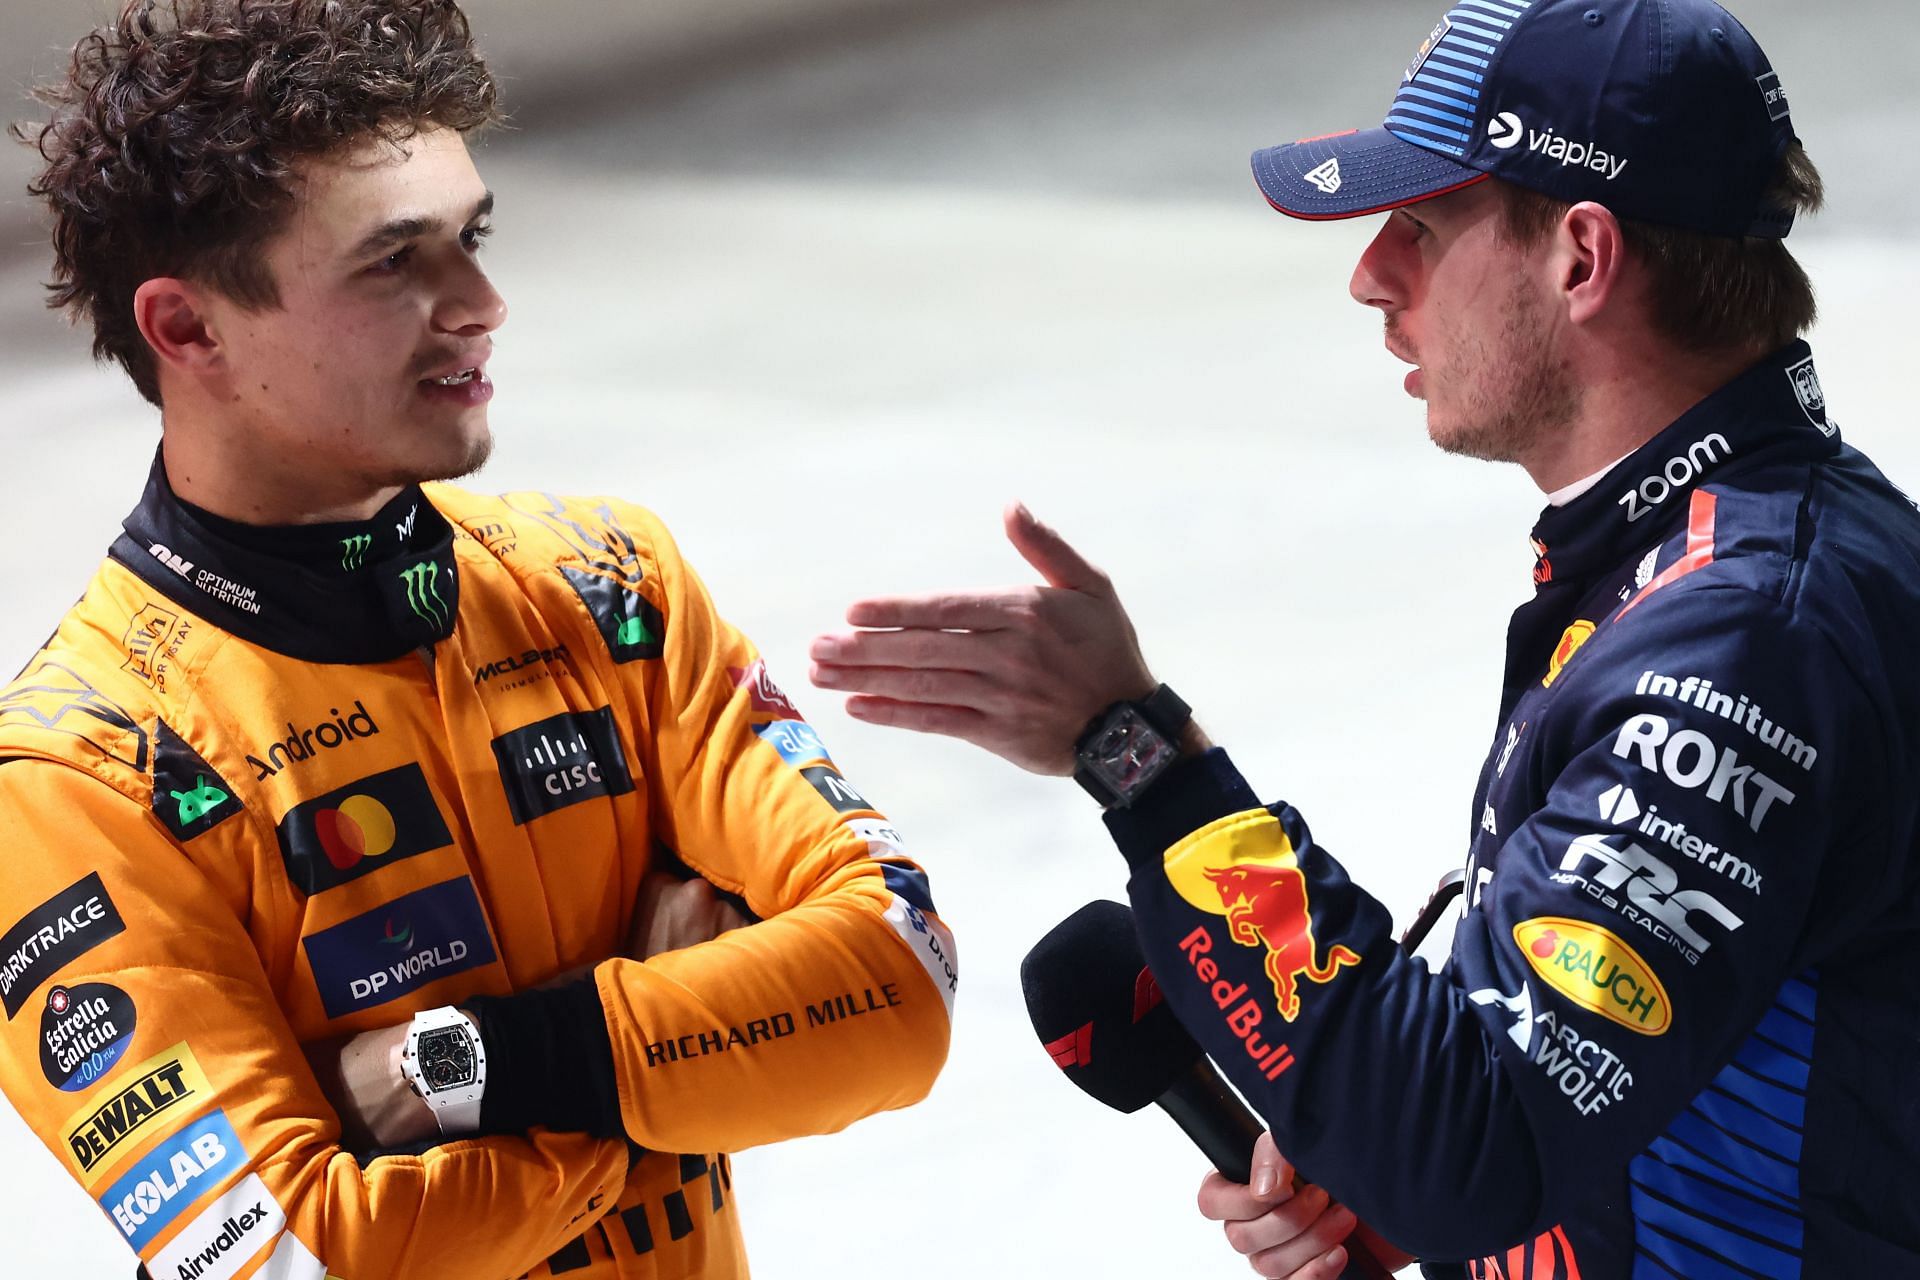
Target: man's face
x=371 y=372
x=1474 y=313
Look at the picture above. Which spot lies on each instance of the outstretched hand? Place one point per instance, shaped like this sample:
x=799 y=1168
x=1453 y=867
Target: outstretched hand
x=1019 y=672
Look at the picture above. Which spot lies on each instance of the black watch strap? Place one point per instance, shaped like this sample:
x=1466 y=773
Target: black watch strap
x=1144 y=756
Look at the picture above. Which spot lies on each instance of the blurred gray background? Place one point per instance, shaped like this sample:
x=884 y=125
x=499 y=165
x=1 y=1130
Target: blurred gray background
x=826 y=282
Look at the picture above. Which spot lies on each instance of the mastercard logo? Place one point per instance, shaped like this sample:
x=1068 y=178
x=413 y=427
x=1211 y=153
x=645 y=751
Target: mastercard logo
x=361 y=827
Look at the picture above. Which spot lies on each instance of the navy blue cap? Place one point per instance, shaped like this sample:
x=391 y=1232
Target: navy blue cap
x=1664 y=111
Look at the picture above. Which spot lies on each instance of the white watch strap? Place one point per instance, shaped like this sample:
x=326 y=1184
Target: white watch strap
x=456 y=1110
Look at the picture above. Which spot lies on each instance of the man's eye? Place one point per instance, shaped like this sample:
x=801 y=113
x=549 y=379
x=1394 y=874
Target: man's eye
x=474 y=237
x=393 y=262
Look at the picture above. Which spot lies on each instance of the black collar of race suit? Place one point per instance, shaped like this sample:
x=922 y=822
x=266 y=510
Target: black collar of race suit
x=364 y=591
x=1774 y=412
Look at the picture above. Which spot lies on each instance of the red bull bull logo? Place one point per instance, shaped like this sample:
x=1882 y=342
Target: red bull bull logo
x=1244 y=868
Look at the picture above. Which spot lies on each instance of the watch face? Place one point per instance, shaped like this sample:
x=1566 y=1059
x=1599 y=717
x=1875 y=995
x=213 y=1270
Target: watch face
x=1127 y=753
x=446 y=1058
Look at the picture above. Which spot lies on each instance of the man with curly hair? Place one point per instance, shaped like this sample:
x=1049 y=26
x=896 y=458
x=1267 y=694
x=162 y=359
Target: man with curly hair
x=401 y=881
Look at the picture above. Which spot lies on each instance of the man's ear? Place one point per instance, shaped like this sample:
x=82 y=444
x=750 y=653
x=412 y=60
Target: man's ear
x=1590 y=259
x=172 y=316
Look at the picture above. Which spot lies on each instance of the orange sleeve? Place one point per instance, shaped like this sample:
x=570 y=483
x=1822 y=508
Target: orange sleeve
x=144 y=1046
x=838 y=1004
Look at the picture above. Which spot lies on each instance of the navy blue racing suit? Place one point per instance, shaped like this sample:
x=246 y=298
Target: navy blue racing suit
x=1677 y=1030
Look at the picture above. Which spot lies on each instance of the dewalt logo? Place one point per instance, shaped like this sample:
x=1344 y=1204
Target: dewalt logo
x=163 y=1085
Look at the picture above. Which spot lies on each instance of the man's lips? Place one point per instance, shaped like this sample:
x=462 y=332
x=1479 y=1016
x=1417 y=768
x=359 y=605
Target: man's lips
x=453 y=366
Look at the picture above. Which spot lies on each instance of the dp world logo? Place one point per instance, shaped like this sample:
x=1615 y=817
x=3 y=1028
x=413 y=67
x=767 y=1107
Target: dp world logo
x=1505 y=131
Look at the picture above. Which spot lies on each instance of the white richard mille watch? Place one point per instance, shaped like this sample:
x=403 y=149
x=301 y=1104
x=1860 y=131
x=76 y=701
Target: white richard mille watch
x=445 y=1063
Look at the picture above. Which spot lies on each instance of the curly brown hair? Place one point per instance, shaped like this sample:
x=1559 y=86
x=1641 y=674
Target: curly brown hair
x=176 y=133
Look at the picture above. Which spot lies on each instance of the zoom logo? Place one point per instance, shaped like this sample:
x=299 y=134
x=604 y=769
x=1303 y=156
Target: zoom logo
x=561 y=761
x=1505 y=131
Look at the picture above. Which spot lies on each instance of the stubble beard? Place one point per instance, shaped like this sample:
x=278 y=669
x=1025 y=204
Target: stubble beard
x=1525 y=396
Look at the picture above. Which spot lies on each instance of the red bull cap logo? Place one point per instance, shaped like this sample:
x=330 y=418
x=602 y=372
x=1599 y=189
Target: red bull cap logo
x=1245 y=869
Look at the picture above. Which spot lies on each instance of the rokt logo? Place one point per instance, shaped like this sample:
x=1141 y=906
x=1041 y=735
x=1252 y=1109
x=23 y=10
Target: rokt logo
x=1690 y=760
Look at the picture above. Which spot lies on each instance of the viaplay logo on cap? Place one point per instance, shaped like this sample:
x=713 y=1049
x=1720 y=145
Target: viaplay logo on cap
x=345 y=834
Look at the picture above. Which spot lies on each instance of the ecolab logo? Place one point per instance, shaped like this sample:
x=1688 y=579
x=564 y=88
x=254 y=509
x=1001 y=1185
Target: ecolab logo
x=1507 y=131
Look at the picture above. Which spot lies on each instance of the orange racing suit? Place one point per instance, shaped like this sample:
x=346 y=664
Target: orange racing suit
x=257 y=797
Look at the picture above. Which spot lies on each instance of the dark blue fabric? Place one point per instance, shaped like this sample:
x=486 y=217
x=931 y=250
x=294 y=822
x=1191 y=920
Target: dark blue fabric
x=1677 y=1021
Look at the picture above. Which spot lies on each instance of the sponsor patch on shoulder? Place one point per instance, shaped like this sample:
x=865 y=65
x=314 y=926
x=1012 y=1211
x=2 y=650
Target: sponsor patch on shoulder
x=231 y=1232
x=84 y=1032
x=931 y=943
x=53 y=935
x=171 y=1177
x=164 y=1085
x=1597 y=971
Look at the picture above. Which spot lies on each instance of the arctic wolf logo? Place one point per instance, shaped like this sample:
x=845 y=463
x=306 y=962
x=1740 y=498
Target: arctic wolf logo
x=1246 y=870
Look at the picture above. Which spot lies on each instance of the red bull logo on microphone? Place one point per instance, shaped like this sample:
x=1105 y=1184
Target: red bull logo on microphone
x=1244 y=868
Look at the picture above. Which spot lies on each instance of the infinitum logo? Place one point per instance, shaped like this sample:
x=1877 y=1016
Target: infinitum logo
x=1507 y=131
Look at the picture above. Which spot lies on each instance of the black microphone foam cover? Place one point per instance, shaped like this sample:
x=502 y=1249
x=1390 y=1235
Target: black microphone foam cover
x=1099 y=1012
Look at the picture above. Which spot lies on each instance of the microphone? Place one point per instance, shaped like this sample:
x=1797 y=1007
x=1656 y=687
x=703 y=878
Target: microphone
x=1098 y=1011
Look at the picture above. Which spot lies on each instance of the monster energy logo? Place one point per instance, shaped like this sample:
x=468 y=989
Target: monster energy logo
x=199 y=802
x=423 y=593
x=353 y=551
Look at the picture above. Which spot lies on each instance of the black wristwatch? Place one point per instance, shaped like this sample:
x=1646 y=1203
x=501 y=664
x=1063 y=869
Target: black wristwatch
x=1129 y=745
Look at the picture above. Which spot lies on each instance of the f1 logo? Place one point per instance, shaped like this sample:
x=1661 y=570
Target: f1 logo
x=1074 y=1049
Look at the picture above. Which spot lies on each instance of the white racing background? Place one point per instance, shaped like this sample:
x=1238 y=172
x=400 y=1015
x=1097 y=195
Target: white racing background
x=826 y=302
